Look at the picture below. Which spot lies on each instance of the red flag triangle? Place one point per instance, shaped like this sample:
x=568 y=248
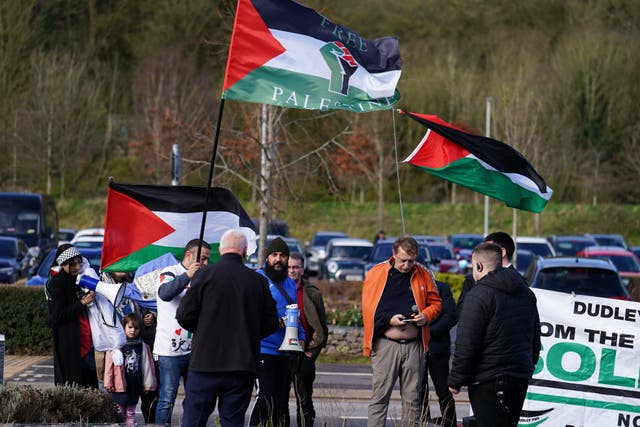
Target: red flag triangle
x=252 y=44
x=125 y=213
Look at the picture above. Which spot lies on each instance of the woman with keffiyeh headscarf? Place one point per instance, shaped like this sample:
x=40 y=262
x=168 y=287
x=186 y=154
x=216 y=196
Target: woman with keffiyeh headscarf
x=73 y=358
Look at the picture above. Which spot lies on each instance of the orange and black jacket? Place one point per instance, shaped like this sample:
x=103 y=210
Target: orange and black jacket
x=424 y=292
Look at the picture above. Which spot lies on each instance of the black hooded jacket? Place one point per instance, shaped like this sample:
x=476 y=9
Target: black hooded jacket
x=498 y=331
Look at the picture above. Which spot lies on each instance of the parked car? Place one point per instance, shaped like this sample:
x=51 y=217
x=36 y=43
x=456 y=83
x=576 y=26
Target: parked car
x=14 y=259
x=522 y=260
x=582 y=276
x=293 y=244
x=463 y=244
x=93 y=255
x=625 y=261
x=537 y=245
x=345 y=259
x=442 y=257
x=65 y=235
x=383 y=249
x=609 y=240
x=315 y=249
x=89 y=238
x=570 y=245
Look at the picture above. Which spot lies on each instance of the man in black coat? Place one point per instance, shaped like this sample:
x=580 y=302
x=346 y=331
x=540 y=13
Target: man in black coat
x=230 y=309
x=508 y=248
x=498 y=340
x=437 y=360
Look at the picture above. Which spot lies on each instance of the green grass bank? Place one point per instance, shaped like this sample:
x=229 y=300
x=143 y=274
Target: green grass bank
x=360 y=219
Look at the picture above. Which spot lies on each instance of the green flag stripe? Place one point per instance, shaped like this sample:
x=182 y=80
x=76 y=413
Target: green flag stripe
x=471 y=174
x=276 y=86
x=566 y=400
x=134 y=260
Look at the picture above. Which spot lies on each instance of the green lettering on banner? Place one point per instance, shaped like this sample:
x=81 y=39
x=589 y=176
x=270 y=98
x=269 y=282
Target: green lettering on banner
x=566 y=400
x=607 y=367
x=587 y=361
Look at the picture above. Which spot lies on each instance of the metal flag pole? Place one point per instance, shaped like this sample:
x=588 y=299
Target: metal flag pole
x=395 y=149
x=214 y=152
x=486 y=198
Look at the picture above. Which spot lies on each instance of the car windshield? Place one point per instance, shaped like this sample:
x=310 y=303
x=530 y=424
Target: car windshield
x=625 y=263
x=609 y=241
x=571 y=247
x=467 y=242
x=595 y=282
x=66 y=235
x=541 y=249
x=89 y=244
x=360 y=252
x=8 y=249
x=441 y=252
x=323 y=239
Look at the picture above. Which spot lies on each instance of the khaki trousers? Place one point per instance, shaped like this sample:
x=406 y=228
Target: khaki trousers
x=389 y=361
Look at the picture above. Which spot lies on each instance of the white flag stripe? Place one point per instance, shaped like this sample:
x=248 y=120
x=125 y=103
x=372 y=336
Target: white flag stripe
x=299 y=46
x=187 y=227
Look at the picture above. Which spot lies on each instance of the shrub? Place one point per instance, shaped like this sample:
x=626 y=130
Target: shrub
x=26 y=404
x=24 y=310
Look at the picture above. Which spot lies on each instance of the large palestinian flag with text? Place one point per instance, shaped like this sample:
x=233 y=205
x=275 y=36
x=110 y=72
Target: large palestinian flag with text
x=480 y=163
x=144 y=222
x=286 y=54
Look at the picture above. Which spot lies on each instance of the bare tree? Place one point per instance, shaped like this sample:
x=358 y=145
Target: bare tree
x=58 y=122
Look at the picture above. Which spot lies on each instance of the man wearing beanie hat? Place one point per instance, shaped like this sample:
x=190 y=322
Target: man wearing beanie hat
x=272 y=400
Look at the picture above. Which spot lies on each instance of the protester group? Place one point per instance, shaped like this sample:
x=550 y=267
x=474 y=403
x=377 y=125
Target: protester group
x=223 y=329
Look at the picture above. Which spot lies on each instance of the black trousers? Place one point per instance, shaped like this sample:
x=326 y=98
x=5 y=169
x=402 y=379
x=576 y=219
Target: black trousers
x=149 y=400
x=303 y=374
x=498 y=403
x=273 y=383
x=438 y=369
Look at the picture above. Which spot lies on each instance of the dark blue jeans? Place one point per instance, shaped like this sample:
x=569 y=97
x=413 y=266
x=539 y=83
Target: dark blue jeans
x=231 y=390
x=172 y=368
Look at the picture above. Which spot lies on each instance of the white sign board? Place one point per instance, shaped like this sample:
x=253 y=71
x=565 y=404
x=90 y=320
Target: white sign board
x=588 y=373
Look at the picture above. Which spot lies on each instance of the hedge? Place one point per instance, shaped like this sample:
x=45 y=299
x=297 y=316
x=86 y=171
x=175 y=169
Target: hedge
x=22 y=320
x=23 y=310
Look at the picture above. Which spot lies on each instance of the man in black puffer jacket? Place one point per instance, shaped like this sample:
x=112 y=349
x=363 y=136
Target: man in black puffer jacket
x=498 y=340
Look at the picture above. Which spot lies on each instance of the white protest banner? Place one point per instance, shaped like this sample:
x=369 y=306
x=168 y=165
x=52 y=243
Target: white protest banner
x=588 y=371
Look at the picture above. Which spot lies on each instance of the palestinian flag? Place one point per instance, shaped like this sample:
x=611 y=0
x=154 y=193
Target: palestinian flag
x=144 y=222
x=480 y=163
x=286 y=54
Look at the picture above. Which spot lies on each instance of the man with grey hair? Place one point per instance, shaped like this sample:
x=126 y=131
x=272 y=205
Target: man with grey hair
x=230 y=309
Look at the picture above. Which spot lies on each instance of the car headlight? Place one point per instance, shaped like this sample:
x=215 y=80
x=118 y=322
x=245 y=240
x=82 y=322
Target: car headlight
x=6 y=270
x=332 y=267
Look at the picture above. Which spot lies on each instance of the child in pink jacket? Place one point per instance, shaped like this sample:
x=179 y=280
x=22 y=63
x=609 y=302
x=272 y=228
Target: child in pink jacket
x=136 y=375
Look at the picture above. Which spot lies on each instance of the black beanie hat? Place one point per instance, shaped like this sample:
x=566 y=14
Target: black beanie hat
x=278 y=245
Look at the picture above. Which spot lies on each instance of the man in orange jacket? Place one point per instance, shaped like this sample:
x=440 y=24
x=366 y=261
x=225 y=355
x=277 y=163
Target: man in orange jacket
x=399 y=299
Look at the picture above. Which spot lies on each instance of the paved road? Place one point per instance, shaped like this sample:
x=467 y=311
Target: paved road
x=341 y=394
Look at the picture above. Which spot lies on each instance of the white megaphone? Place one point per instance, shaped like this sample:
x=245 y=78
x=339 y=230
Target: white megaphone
x=290 y=341
x=114 y=292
